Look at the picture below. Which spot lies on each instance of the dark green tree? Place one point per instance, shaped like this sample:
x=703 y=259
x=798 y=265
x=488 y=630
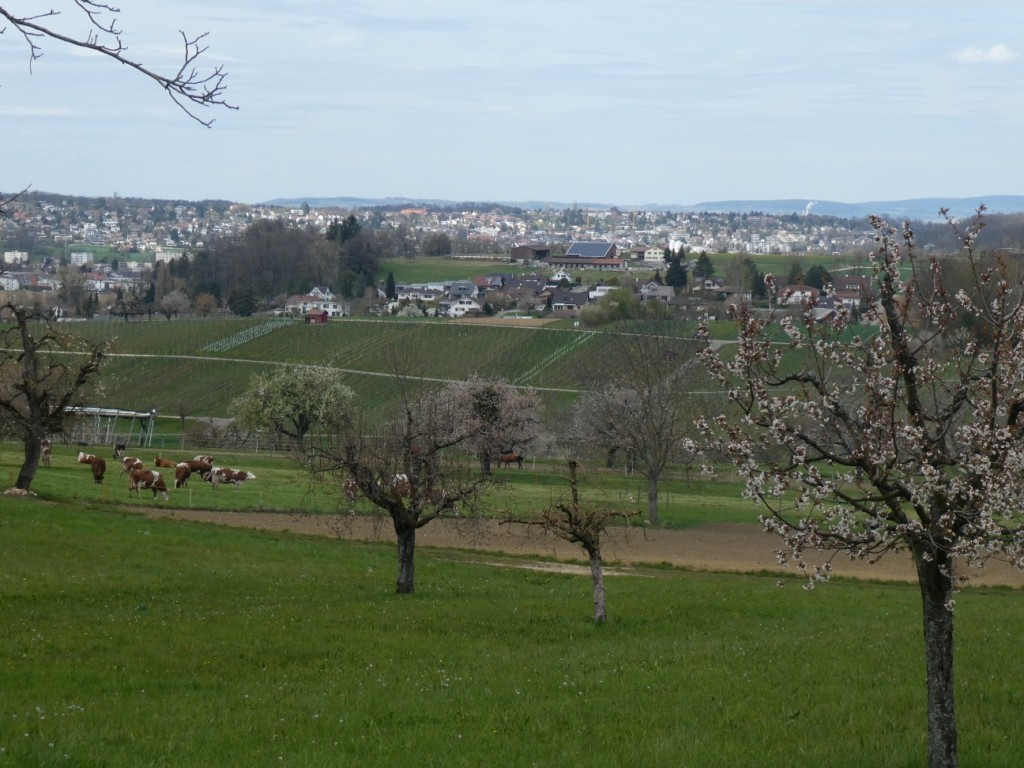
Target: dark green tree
x=389 y=287
x=675 y=274
x=704 y=267
x=242 y=302
x=817 y=276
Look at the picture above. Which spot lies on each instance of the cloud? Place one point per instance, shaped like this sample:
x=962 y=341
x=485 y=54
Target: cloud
x=995 y=54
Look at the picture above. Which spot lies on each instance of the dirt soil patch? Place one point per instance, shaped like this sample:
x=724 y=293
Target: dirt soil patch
x=740 y=548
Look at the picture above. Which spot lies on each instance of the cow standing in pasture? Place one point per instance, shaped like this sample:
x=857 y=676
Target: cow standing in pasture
x=99 y=466
x=46 y=449
x=204 y=459
x=183 y=470
x=508 y=459
x=128 y=463
x=143 y=479
x=119 y=449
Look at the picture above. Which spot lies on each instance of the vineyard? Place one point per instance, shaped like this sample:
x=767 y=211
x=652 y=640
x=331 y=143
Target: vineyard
x=201 y=364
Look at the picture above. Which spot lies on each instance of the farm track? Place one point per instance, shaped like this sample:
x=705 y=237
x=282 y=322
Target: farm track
x=734 y=547
x=349 y=371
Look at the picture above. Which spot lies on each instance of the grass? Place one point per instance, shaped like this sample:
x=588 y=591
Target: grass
x=131 y=641
x=281 y=485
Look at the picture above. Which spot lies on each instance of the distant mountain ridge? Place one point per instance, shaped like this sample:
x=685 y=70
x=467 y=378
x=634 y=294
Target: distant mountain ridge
x=916 y=209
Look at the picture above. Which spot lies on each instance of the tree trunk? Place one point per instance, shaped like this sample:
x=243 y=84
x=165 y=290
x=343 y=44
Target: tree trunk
x=33 y=452
x=406 y=564
x=597 y=577
x=934 y=577
x=652 y=498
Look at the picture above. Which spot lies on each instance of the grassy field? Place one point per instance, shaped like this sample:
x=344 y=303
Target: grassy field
x=282 y=486
x=137 y=642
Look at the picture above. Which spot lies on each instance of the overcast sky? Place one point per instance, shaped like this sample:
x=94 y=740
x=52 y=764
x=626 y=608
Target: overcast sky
x=650 y=101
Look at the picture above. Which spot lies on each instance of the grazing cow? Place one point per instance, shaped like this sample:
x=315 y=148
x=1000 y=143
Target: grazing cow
x=160 y=461
x=128 y=463
x=119 y=449
x=141 y=479
x=47 y=449
x=182 y=472
x=204 y=459
x=99 y=466
x=202 y=468
x=508 y=459
x=220 y=475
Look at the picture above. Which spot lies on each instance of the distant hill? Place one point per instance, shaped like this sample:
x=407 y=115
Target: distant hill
x=918 y=209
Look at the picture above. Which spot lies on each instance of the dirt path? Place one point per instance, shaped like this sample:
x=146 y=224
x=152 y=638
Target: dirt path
x=725 y=547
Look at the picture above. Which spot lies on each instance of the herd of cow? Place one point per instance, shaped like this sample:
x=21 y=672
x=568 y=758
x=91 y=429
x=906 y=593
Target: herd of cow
x=142 y=479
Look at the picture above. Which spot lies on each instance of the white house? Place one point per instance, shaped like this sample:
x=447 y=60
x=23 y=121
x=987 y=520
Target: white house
x=320 y=299
x=460 y=307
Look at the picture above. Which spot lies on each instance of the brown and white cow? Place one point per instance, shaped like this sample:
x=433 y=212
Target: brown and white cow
x=46 y=449
x=204 y=458
x=99 y=466
x=220 y=475
x=182 y=472
x=128 y=463
x=143 y=479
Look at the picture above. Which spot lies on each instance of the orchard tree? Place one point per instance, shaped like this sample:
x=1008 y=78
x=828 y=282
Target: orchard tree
x=582 y=523
x=902 y=436
x=293 y=400
x=45 y=372
x=497 y=418
x=174 y=303
x=642 y=404
x=409 y=466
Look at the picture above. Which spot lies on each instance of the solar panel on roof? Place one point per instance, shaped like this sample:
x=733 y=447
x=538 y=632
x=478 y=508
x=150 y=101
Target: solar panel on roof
x=589 y=249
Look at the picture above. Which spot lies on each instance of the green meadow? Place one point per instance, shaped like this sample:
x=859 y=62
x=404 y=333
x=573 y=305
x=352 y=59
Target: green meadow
x=131 y=641
x=137 y=642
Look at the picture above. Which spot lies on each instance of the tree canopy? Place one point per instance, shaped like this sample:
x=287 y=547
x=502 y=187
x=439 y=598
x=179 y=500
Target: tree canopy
x=294 y=400
x=901 y=435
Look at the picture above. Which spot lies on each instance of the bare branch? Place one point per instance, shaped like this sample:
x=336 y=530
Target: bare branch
x=188 y=87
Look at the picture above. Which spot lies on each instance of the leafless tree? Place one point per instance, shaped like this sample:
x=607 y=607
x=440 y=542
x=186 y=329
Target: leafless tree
x=44 y=373
x=190 y=88
x=641 y=404
x=409 y=467
x=902 y=435
x=497 y=417
x=579 y=523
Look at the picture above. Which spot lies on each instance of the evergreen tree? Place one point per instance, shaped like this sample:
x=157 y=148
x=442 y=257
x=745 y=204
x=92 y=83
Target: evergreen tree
x=389 y=287
x=675 y=274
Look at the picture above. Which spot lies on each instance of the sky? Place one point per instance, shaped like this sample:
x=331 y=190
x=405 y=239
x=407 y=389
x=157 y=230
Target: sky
x=670 y=102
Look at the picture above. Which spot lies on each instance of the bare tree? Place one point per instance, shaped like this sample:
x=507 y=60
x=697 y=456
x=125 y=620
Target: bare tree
x=905 y=435
x=579 y=523
x=44 y=373
x=497 y=417
x=408 y=467
x=642 y=406
x=188 y=87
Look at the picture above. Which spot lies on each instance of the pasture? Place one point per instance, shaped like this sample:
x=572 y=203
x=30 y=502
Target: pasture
x=130 y=641
x=282 y=486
